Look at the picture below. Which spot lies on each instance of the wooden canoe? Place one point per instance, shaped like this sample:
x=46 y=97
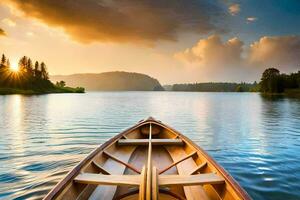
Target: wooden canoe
x=148 y=161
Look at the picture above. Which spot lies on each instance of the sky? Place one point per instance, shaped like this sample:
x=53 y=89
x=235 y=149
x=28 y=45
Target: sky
x=175 y=41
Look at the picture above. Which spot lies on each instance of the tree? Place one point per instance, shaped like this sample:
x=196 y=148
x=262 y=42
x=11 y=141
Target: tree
x=36 y=71
x=23 y=64
x=239 y=89
x=29 y=68
x=44 y=72
x=3 y=60
x=61 y=84
x=271 y=81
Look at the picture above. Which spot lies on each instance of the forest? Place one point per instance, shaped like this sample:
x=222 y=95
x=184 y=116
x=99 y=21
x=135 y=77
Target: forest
x=27 y=77
x=272 y=81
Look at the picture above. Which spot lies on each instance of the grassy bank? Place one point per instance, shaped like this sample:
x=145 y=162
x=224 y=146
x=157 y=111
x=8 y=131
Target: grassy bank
x=5 y=91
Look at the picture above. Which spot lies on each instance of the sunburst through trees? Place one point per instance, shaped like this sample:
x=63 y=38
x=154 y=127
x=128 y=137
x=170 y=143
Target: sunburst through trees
x=24 y=75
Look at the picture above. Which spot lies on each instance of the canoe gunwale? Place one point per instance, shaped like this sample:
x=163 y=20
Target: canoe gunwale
x=61 y=185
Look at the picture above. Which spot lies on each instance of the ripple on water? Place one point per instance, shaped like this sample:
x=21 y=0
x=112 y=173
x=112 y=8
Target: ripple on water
x=9 y=178
x=255 y=139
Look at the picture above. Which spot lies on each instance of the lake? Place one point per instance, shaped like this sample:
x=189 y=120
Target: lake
x=256 y=139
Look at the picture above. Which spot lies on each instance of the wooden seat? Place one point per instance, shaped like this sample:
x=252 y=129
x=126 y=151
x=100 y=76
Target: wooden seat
x=188 y=180
x=115 y=180
x=161 y=180
x=153 y=141
x=101 y=179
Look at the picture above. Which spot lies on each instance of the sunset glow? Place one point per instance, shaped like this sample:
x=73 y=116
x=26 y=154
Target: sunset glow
x=74 y=73
x=224 y=41
x=14 y=67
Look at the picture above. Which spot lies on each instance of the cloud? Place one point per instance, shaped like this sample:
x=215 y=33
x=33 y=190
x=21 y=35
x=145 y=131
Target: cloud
x=212 y=52
x=9 y=22
x=144 y=21
x=215 y=60
x=234 y=9
x=2 y=32
x=282 y=52
x=225 y=60
x=251 y=19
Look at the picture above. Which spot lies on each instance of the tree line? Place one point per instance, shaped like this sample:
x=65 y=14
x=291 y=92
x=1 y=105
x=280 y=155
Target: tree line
x=216 y=87
x=272 y=81
x=28 y=75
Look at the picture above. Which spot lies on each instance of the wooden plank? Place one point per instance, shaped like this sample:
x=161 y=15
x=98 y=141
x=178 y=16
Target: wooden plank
x=198 y=168
x=100 y=179
x=102 y=170
x=155 y=187
x=177 y=162
x=122 y=162
x=189 y=180
x=143 y=180
x=149 y=165
x=146 y=142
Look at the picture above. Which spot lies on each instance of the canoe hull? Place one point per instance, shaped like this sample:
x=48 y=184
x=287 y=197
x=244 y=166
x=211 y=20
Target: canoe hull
x=169 y=156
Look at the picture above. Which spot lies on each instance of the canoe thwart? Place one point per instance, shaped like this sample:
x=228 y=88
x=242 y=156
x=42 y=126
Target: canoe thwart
x=153 y=141
x=163 y=180
x=101 y=179
x=189 y=180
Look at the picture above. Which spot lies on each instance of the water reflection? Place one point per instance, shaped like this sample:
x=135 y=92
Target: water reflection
x=255 y=138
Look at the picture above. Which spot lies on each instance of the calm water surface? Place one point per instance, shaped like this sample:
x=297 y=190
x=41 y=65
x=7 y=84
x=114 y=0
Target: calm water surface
x=256 y=139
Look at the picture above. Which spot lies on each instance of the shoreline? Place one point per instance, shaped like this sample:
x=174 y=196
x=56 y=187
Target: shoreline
x=286 y=93
x=56 y=90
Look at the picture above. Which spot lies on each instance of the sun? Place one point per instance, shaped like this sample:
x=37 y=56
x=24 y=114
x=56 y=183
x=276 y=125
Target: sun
x=14 y=67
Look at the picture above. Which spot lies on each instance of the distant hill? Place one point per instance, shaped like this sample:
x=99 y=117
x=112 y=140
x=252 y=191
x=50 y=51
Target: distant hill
x=111 y=81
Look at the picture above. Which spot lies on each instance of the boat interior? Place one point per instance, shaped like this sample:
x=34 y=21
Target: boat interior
x=148 y=161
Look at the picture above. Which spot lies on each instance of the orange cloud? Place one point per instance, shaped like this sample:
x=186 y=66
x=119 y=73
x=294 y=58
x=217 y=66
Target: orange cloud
x=218 y=60
x=231 y=58
x=212 y=52
x=125 y=21
x=283 y=51
x=234 y=9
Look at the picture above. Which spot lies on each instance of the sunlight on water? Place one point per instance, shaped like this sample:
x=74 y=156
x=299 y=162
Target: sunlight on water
x=255 y=138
